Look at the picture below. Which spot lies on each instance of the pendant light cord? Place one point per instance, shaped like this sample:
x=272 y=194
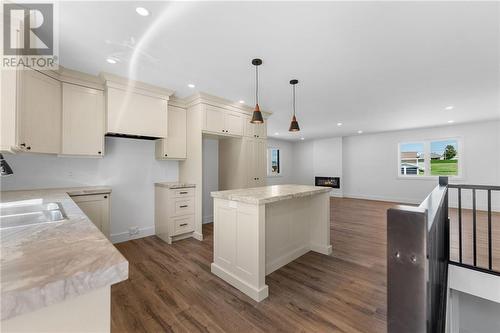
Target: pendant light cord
x=293 y=93
x=256 y=84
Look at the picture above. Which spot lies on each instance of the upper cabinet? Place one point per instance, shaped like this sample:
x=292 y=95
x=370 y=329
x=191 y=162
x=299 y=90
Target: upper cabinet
x=135 y=108
x=174 y=146
x=39 y=112
x=223 y=122
x=83 y=120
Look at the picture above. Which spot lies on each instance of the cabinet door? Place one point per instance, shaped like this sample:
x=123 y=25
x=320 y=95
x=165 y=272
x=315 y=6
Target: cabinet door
x=39 y=112
x=83 y=120
x=214 y=119
x=261 y=162
x=261 y=130
x=176 y=139
x=233 y=123
x=249 y=128
x=174 y=146
x=96 y=207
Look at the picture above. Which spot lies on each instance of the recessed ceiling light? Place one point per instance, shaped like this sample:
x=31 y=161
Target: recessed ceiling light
x=242 y=102
x=111 y=60
x=339 y=124
x=191 y=85
x=451 y=121
x=142 y=11
x=360 y=132
x=449 y=107
x=302 y=139
x=276 y=133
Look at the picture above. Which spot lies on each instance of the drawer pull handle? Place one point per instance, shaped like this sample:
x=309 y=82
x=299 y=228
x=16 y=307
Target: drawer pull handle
x=183 y=206
x=183 y=192
x=183 y=224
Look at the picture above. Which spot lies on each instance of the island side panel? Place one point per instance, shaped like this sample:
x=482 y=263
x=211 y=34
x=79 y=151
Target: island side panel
x=239 y=246
x=319 y=223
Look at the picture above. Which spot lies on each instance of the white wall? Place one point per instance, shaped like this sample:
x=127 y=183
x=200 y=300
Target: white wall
x=287 y=166
x=129 y=168
x=370 y=162
x=321 y=157
x=210 y=176
x=477 y=315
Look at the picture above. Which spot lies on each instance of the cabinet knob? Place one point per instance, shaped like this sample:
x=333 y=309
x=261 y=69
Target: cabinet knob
x=166 y=155
x=28 y=147
x=99 y=152
x=105 y=197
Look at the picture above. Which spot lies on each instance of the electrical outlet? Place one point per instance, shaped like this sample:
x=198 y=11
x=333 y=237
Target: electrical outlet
x=133 y=231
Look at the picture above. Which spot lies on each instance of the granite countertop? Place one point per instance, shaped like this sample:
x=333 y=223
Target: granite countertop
x=174 y=185
x=269 y=194
x=46 y=263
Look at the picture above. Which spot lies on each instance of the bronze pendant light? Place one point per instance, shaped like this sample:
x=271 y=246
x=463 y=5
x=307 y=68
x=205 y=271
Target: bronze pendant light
x=257 y=115
x=294 y=125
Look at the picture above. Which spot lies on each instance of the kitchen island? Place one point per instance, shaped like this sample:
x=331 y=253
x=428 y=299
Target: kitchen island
x=258 y=230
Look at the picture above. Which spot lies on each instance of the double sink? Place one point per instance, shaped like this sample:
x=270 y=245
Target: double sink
x=30 y=212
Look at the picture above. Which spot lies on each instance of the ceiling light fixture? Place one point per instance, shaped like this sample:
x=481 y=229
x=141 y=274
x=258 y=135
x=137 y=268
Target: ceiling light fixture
x=449 y=107
x=111 y=60
x=242 y=102
x=360 y=132
x=451 y=121
x=302 y=139
x=294 y=125
x=276 y=133
x=191 y=85
x=257 y=115
x=339 y=124
x=142 y=11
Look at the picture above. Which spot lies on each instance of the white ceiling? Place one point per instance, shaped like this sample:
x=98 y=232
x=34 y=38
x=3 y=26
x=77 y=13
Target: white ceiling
x=374 y=66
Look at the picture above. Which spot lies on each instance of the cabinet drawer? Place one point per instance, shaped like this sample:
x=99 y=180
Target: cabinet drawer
x=182 y=192
x=183 y=207
x=183 y=224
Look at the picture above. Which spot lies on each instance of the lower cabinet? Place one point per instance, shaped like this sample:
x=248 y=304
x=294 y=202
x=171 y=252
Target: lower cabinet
x=174 y=212
x=256 y=161
x=96 y=207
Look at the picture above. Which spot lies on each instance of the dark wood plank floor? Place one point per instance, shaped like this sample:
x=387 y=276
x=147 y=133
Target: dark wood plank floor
x=171 y=289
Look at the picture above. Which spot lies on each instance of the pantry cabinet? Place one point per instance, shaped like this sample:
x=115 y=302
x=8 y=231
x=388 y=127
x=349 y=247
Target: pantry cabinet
x=39 y=112
x=83 y=120
x=256 y=159
x=174 y=146
x=96 y=207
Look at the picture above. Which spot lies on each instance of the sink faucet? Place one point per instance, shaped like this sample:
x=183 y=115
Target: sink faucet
x=5 y=169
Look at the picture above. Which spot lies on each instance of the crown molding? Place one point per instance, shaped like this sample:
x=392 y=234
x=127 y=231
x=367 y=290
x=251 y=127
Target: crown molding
x=204 y=98
x=118 y=82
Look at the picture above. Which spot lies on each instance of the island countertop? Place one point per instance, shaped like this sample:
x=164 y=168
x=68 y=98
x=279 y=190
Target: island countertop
x=43 y=264
x=269 y=194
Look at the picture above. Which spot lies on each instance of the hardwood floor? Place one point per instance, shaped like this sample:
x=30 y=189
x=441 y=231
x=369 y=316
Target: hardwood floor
x=170 y=287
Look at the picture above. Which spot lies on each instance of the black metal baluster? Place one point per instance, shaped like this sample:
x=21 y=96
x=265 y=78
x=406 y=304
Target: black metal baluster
x=474 y=225
x=489 y=232
x=460 y=224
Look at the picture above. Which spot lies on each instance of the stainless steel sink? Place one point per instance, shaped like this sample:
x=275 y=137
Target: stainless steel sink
x=17 y=214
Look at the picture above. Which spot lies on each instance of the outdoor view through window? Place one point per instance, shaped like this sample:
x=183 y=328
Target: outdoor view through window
x=274 y=161
x=429 y=158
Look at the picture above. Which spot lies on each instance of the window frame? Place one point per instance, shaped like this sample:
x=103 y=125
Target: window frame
x=269 y=160
x=427 y=160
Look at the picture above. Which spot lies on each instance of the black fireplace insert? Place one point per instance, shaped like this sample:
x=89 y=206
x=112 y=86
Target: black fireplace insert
x=333 y=182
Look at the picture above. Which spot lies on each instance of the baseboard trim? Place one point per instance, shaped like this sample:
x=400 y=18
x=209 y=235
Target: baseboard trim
x=208 y=219
x=125 y=236
x=382 y=198
x=252 y=292
x=198 y=236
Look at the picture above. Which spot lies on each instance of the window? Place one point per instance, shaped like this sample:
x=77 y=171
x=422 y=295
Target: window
x=273 y=162
x=430 y=158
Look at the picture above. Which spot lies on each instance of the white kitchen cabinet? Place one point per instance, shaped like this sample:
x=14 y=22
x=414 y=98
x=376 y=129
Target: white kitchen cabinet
x=255 y=153
x=39 y=112
x=134 y=112
x=83 y=120
x=174 y=212
x=223 y=122
x=255 y=130
x=96 y=207
x=174 y=146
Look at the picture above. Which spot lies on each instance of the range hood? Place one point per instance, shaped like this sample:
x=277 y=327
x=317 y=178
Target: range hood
x=132 y=136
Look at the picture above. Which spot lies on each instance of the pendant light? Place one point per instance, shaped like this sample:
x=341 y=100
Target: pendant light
x=294 y=125
x=257 y=115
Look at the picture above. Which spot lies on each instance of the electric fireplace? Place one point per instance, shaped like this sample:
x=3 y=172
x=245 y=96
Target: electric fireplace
x=333 y=182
